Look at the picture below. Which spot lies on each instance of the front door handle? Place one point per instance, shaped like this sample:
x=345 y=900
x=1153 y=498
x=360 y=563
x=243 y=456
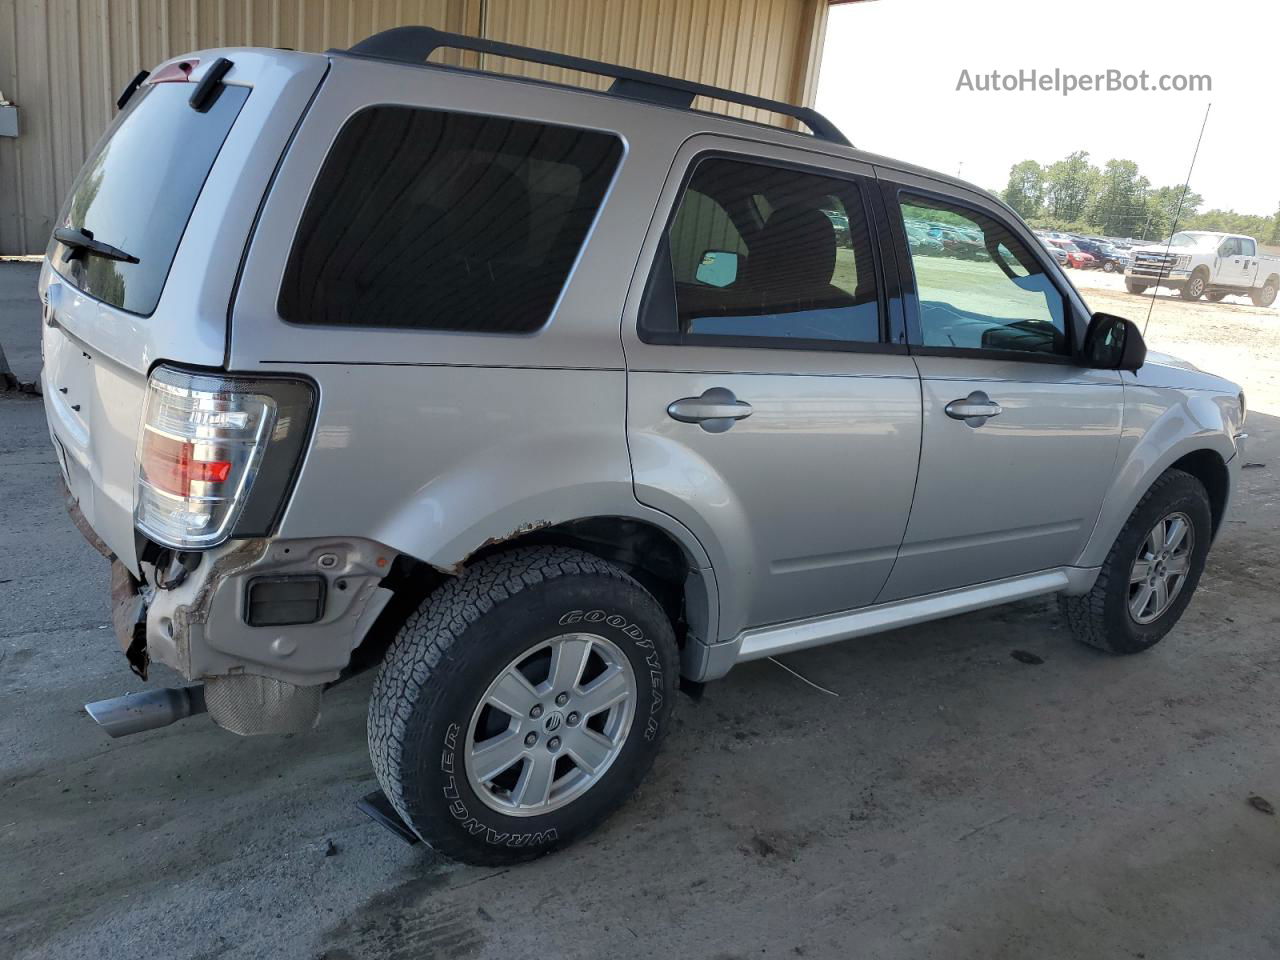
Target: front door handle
x=715 y=411
x=975 y=409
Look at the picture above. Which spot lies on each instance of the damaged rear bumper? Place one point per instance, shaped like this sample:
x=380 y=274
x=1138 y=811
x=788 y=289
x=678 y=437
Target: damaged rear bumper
x=198 y=620
x=200 y=625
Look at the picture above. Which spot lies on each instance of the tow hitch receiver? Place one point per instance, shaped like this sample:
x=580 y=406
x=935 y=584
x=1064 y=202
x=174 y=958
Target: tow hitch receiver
x=135 y=712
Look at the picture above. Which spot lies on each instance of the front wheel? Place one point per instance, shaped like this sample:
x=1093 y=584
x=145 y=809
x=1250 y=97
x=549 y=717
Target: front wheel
x=1132 y=287
x=1108 y=266
x=1215 y=297
x=1151 y=572
x=522 y=704
x=1194 y=288
x=1267 y=295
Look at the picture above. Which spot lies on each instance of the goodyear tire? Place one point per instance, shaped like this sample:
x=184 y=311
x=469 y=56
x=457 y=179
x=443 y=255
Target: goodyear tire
x=522 y=704
x=1119 y=615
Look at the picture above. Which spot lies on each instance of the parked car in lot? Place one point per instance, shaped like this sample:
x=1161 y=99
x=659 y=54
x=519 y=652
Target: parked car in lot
x=1105 y=256
x=539 y=426
x=1201 y=263
x=960 y=243
x=920 y=240
x=1075 y=256
x=1059 y=253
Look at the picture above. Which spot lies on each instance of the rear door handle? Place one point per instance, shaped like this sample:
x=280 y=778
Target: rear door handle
x=715 y=411
x=975 y=409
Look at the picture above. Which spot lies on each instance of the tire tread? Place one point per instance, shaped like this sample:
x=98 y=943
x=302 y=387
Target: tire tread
x=1086 y=615
x=429 y=635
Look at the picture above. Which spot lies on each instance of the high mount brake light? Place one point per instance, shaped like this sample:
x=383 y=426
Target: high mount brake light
x=204 y=441
x=179 y=72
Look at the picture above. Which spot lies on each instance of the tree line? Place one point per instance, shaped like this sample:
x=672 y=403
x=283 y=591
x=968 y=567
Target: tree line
x=1116 y=200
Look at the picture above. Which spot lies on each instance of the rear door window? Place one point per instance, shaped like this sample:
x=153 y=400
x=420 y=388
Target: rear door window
x=137 y=191
x=765 y=256
x=433 y=220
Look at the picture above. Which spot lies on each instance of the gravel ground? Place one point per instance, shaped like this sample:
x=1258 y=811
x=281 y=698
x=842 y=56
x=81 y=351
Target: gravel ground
x=1233 y=338
x=950 y=801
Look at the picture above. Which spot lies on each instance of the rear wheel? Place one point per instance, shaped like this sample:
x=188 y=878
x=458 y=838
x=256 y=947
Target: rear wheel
x=1135 y=287
x=1267 y=295
x=522 y=704
x=1151 y=572
x=1195 y=286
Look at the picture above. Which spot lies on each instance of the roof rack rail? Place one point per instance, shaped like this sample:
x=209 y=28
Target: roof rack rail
x=416 y=44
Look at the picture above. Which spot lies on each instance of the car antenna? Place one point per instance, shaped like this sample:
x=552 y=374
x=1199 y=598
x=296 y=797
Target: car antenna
x=1178 y=213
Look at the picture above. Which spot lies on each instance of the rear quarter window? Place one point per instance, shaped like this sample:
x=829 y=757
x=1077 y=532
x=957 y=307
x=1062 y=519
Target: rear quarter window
x=434 y=220
x=137 y=191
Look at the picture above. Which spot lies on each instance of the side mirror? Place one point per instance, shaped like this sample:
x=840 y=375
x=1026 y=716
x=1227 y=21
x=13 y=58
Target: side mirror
x=718 y=268
x=1113 y=343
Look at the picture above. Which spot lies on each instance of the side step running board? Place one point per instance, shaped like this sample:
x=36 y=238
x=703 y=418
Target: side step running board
x=136 y=712
x=770 y=641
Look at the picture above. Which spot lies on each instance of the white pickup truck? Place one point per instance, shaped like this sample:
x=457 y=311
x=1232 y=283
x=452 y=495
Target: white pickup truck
x=1199 y=263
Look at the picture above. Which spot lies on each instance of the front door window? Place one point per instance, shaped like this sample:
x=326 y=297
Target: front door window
x=980 y=289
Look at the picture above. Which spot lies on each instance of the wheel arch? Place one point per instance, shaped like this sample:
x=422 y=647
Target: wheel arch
x=663 y=556
x=1210 y=469
x=1190 y=430
x=668 y=566
x=1203 y=462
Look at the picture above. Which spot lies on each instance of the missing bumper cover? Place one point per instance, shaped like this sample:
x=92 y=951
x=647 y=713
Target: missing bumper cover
x=284 y=601
x=129 y=618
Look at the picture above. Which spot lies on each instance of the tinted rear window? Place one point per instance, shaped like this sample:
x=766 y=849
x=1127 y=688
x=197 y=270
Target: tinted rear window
x=445 y=221
x=137 y=191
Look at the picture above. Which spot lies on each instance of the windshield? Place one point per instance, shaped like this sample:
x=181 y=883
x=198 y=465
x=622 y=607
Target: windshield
x=137 y=191
x=1192 y=240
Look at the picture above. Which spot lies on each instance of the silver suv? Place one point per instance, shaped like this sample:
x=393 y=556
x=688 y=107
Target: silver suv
x=543 y=400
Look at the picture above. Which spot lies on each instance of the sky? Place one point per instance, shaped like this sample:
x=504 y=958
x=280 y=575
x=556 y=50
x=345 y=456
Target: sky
x=890 y=71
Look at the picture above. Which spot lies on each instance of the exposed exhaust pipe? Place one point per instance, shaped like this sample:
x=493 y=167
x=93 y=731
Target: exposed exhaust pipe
x=135 y=712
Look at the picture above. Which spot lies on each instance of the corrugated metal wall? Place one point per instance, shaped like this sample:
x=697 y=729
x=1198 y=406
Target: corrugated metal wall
x=64 y=61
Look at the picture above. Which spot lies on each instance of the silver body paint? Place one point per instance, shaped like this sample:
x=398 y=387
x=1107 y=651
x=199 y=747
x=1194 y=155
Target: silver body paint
x=847 y=503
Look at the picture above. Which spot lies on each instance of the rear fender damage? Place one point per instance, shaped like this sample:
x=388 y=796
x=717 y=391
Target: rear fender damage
x=198 y=626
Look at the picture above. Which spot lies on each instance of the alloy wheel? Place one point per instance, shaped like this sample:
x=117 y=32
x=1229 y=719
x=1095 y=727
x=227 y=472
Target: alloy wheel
x=550 y=725
x=1161 y=567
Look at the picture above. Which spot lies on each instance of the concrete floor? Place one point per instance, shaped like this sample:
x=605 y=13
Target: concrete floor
x=951 y=802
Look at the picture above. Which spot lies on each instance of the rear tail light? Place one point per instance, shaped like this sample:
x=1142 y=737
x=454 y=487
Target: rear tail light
x=216 y=455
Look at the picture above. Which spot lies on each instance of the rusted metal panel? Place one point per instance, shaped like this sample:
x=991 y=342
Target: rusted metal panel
x=64 y=61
